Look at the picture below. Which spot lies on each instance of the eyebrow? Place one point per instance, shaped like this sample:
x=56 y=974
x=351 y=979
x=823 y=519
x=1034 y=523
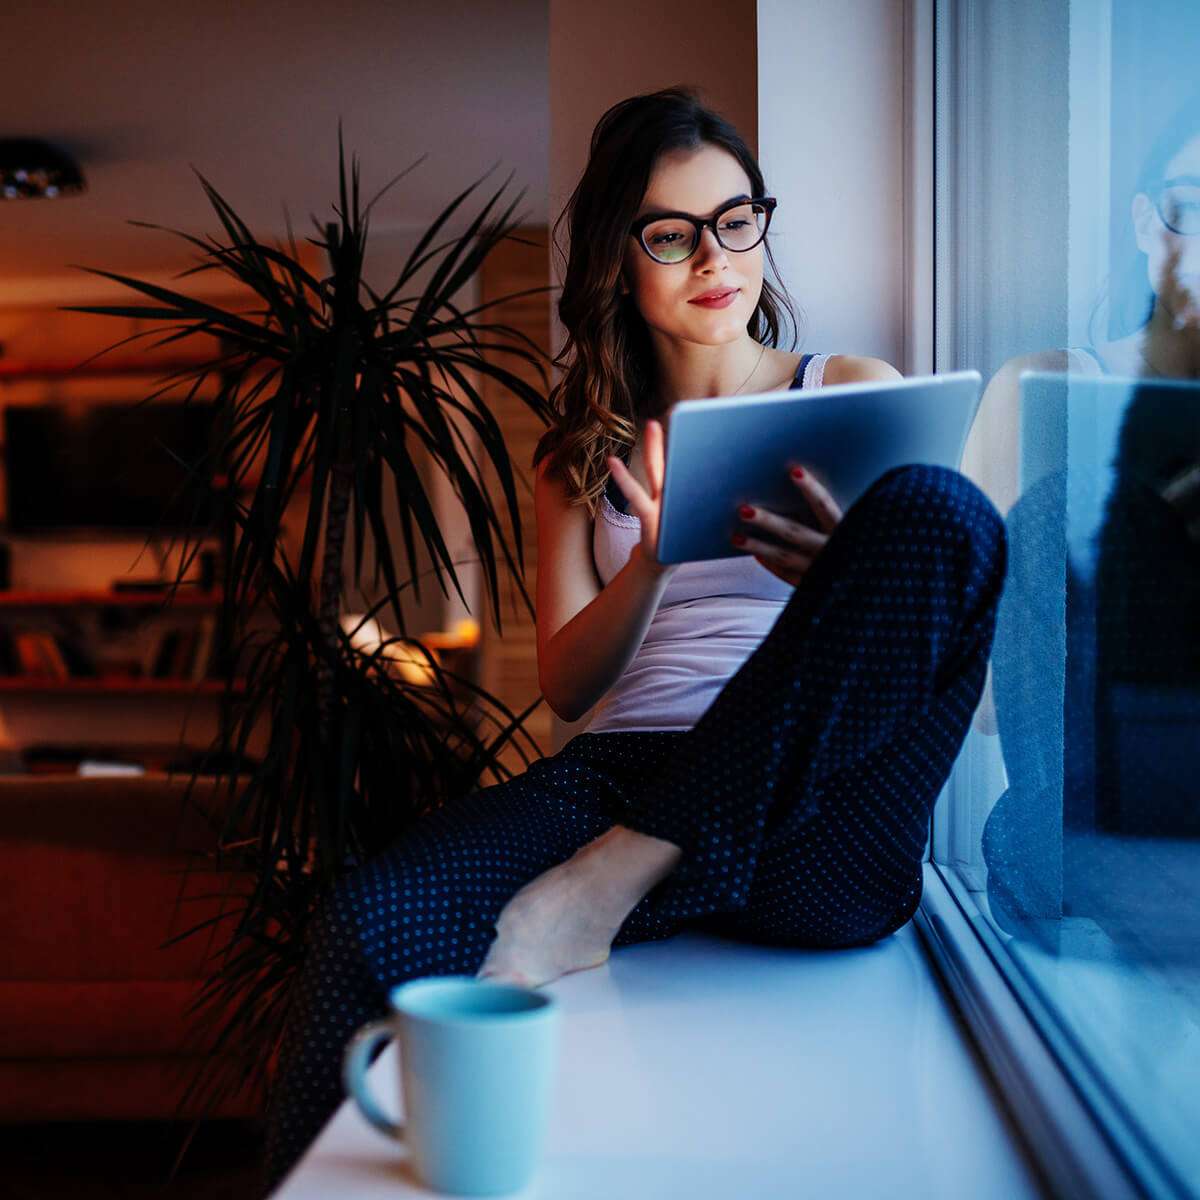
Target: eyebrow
x=662 y=212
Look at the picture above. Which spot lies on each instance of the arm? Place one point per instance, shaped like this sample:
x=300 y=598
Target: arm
x=587 y=633
x=991 y=460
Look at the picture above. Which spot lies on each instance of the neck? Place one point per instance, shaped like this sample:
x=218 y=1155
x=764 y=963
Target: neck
x=1167 y=349
x=723 y=371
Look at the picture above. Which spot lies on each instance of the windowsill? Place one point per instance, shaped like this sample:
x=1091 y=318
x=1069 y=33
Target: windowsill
x=704 y=1067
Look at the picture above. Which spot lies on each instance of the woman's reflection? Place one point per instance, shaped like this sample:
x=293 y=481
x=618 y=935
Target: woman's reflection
x=1063 y=673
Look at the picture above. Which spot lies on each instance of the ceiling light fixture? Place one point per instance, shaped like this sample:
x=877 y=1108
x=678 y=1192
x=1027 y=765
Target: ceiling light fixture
x=30 y=168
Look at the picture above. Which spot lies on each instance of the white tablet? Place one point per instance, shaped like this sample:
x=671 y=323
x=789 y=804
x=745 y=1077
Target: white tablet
x=726 y=451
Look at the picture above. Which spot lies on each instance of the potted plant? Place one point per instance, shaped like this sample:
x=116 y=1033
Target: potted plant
x=317 y=381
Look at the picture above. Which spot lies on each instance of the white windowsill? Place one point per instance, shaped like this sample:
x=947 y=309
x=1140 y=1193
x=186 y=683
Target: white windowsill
x=703 y=1067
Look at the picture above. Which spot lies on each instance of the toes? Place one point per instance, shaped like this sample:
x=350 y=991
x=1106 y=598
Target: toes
x=514 y=977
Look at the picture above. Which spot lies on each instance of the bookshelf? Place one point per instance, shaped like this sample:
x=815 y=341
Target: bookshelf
x=42 y=599
x=108 y=685
x=34 y=658
x=113 y=695
x=43 y=650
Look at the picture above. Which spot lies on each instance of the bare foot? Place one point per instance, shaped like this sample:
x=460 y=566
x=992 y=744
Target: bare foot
x=548 y=929
x=565 y=919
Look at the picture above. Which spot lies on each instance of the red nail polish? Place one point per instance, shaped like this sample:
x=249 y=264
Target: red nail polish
x=797 y=472
x=739 y=539
x=746 y=511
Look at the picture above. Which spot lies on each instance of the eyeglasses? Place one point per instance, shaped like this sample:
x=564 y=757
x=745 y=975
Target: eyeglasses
x=672 y=237
x=1178 y=203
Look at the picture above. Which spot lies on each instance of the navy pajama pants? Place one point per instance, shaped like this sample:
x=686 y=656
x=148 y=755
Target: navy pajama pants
x=800 y=798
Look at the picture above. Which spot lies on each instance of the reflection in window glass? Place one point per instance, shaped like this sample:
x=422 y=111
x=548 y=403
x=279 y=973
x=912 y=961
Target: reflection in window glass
x=1068 y=274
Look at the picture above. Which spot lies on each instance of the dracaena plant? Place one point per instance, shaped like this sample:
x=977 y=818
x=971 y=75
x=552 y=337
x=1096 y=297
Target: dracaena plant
x=331 y=380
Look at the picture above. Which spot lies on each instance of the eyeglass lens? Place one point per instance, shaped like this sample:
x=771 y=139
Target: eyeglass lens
x=1180 y=207
x=740 y=228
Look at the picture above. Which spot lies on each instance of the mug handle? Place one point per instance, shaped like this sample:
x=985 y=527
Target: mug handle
x=354 y=1075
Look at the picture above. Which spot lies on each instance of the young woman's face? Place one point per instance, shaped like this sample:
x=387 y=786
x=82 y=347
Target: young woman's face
x=1155 y=239
x=700 y=182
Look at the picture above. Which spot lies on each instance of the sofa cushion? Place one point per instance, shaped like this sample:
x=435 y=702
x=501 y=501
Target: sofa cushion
x=95 y=875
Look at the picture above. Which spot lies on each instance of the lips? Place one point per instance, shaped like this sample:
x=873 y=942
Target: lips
x=715 y=294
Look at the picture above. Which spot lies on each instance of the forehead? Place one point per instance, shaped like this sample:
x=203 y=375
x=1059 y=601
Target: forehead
x=1186 y=160
x=695 y=181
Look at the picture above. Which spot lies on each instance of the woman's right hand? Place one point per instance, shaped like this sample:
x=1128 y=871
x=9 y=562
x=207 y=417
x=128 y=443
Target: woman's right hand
x=645 y=505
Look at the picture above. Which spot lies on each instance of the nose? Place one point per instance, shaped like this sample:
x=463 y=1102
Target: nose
x=709 y=247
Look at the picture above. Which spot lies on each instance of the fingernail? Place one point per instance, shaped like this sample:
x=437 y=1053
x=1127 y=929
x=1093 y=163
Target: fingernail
x=739 y=539
x=746 y=511
x=797 y=472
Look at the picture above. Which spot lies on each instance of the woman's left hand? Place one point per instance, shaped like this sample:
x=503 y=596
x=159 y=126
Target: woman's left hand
x=792 y=561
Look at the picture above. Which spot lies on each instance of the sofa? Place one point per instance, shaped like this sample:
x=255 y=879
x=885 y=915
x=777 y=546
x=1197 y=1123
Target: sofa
x=93 y=1020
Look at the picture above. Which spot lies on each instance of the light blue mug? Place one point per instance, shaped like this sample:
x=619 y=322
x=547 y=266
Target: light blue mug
x=477 y=1061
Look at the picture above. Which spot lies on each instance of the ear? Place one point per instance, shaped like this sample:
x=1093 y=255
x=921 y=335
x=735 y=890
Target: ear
x=1147 y=228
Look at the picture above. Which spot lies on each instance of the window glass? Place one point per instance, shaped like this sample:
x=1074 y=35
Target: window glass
x=1068 y=273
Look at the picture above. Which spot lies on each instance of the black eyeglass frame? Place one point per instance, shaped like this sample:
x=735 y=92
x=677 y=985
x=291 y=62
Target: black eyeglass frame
x=638 y=227
x=1156 y=194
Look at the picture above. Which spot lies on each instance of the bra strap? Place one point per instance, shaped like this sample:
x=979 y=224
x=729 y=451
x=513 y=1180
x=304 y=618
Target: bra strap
x=798 y=379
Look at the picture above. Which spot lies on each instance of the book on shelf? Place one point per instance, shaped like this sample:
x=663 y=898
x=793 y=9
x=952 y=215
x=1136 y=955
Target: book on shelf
x=202 y=659
x=182 y=664
x=53 y=656
x=9 y=663
x=80 y=663
x=97 y=768
x=39 y=656
x=167 y=644
x=29 y=662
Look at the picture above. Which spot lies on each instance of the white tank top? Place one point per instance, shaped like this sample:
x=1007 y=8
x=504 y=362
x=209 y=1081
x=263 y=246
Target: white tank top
x=711 y=617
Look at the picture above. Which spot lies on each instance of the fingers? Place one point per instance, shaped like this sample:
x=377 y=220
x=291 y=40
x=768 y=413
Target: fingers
x=800 y=537
x=654 y=457
x=792 y=559
x=633 y=491
x=825 y=507
x=790 y=575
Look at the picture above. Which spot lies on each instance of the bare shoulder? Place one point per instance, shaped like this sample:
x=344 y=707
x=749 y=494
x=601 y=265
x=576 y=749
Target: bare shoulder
x=1037 y=360
x=858 y=368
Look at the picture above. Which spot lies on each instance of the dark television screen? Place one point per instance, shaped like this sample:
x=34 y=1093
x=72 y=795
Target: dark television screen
x=105 y=466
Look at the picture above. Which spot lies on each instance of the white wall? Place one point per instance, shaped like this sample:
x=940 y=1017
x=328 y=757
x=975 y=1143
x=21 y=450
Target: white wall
x=830 y=134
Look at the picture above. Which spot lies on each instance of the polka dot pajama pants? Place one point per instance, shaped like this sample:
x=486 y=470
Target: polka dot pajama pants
x=800 y=798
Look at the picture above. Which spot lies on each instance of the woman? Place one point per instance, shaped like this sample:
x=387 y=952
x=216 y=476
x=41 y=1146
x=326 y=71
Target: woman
x=768 y=753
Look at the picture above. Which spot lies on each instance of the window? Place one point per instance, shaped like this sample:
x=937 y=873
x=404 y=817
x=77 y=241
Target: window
x=1066 y=159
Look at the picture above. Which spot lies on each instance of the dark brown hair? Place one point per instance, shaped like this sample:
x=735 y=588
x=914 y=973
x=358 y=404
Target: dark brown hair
x=605 y=393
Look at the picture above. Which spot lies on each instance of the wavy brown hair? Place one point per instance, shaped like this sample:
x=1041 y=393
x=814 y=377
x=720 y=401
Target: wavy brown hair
x=605 y=393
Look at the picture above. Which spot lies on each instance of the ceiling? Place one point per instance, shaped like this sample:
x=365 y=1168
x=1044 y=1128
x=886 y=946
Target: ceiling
x=250 y=95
